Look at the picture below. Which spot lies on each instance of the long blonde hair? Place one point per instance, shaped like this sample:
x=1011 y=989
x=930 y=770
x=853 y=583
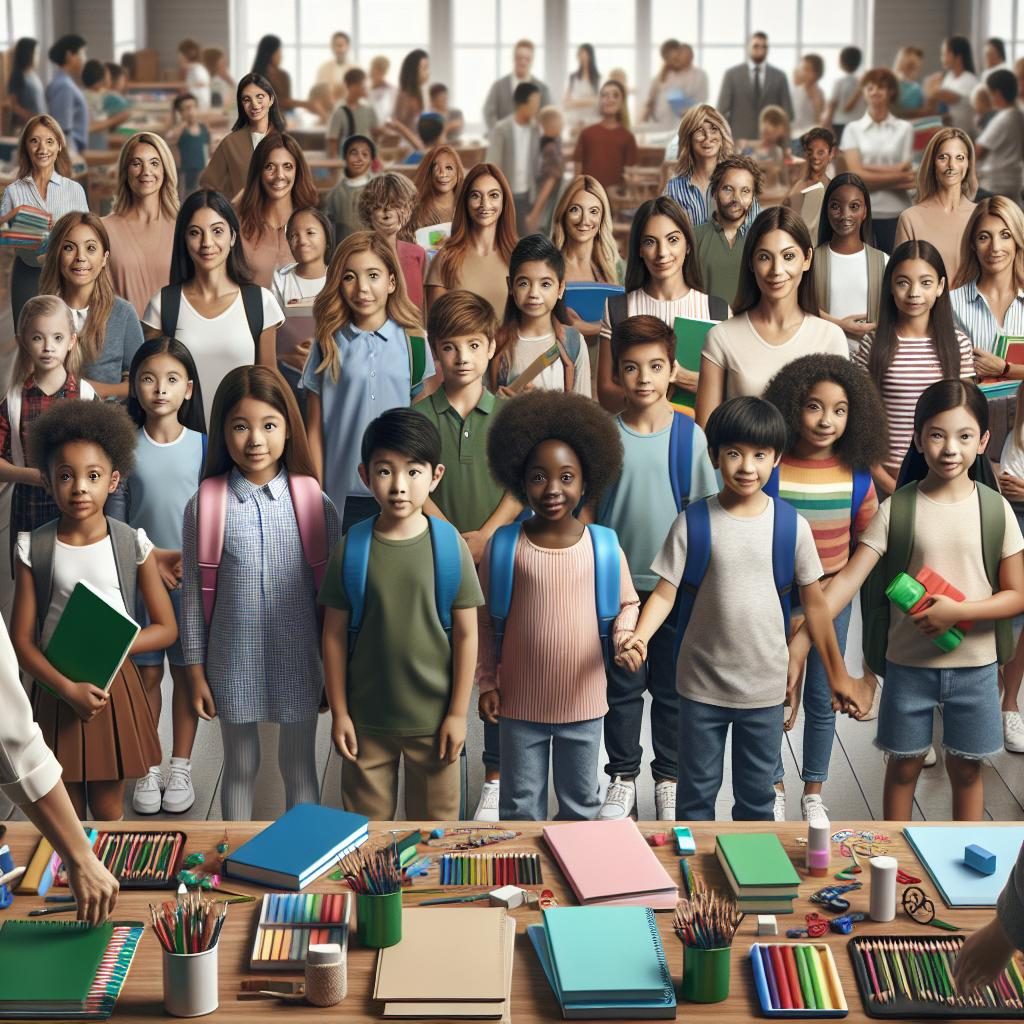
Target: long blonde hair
x=330 y=310
x=37 y=306
x=62 y=165
x=689 y=124
x=124 y=197
x=605 y=254
x=101 y=302
x=1009 y=213
x=427 y=211
x=927 y=180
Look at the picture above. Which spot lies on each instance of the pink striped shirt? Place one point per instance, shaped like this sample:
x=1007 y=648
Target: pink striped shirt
x=552 y=669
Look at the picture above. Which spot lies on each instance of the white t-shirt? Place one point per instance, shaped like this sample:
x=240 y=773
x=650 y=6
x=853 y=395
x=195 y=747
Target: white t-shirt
x=882 y=142
x=1012 y=458
x=960 y=113
x=848 y=284
x=1003 y=138
x=521 y=156
x=842 y=89
x=551 y=378
x=197 y=82
x=290 y=290
x=217 y=345
x=805 y=117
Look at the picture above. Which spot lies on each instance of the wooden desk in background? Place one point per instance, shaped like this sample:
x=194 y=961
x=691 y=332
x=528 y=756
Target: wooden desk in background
x=532 y=1000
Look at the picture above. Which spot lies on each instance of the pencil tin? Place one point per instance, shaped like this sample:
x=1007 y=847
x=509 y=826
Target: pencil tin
x=154 y=871
x=705 y=974
x=767 y=995
x=379 y=919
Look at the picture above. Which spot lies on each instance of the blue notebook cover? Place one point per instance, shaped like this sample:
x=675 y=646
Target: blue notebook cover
x=298 y=847
x=587 y=298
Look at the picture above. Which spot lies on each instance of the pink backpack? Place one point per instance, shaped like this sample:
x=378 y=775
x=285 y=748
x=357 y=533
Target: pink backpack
x=308 y=503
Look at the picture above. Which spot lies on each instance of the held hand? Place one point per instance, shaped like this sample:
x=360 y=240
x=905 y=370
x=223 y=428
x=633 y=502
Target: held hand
x=202 y=700
x=1011 y=486
x=857 y=325
x=982 y=958
x=451 y=738
x=343 y=732
x=476 y=541
x=987 y=364
x=794 y=688
x=685 y=379
x=87 y=700
x=489 y=706
x=851 y=696
x=632 y=653
x=94 y=887
x=941 y=613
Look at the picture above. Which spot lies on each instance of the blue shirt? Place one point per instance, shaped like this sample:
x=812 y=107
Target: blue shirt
x=974 y=317
x=62 y=196
x=67 y=106
x=698 y=204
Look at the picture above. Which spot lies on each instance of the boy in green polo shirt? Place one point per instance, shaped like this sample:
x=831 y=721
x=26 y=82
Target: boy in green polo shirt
x=461 y=329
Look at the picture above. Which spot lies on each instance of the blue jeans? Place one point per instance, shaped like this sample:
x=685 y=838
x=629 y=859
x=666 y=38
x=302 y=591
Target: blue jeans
x=174 y=653
x=491 y=756
x=819 y=718
x=756 y=741
x=572 y=748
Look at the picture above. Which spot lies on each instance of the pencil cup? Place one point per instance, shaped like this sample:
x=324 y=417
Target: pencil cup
x=326 y=975
x=380 y=919
x=190 y=983
x=705 y=974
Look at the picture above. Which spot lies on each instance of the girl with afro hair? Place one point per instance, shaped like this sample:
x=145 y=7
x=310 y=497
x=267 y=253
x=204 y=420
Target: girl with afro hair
x=547 y=688
x=836 y=426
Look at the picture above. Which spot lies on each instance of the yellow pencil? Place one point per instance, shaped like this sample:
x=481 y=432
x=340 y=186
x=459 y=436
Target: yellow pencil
x=836 y=986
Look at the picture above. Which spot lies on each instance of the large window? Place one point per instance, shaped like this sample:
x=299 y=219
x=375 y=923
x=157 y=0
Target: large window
x=391 y=28
x=610 y=27
x=126 y=27
x=1006 y=22
x=19 y=18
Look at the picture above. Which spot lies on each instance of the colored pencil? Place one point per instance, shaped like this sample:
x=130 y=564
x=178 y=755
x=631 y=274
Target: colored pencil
x=793 y=976
x=781 y=977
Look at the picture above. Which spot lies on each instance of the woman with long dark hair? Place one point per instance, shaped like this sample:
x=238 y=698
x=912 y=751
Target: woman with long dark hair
x=413 y=76
x=24 y=87
x=580 y=100
x=267 y=63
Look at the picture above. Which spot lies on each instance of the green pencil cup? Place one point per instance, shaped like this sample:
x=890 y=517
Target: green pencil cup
x=379 y=919
x=705 y=974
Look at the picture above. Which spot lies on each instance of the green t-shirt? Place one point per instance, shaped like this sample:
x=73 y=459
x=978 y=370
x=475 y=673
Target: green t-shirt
x=400 y=671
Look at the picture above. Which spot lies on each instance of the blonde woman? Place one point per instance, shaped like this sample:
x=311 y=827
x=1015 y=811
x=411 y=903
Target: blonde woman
x=946 y=182
x=438 y=179
x=141 y=221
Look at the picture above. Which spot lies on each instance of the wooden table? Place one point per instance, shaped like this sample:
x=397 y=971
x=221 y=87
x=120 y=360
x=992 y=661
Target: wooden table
x=532 y=999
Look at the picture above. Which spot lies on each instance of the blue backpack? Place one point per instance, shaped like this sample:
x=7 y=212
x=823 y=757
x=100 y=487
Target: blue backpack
x=444 y=540
x=861 y=486
x=502 y=572
x=698 y=555
x=680 y=458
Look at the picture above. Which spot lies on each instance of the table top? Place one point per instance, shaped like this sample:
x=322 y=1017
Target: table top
x=532 y=999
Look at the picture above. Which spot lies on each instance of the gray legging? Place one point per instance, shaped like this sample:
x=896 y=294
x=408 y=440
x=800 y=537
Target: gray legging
x=24 y=286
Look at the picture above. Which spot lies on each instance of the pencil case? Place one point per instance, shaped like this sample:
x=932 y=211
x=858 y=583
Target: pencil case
x=767 y=992
x=290 y=922
x=139 y=862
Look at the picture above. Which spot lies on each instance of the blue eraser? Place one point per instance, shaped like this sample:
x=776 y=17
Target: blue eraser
x=437 y=833
x=685 y=846
x=978 y=858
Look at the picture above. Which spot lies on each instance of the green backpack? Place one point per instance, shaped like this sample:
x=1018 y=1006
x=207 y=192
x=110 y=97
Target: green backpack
x=875 y=606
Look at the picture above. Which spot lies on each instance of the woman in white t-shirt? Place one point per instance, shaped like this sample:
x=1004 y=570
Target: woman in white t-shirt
x=223 y=319
x=775 y=319
x=953 y=86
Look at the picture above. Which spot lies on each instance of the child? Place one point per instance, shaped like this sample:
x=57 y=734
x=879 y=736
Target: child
x=101 y=737
x=550 y=170
x=366 y=324
x=818 y=146
x=166 y=405
x=401 y=690
x=534 y=323
x=256 y=657
x=967 y=533
x=385 y=207
x=640 y=507
x=846 y=102
x=429 y=132
x=342 y=203
x=808 y=99
x=604 y=150
x=546 y=687
x=194 y=72
x=771 y=147
x=909 y=62
x=193 y=141
x=115 y=101
x=352 y=116
x=96 y=80
x=915 y=345
x=721 y=682
x=836 y=433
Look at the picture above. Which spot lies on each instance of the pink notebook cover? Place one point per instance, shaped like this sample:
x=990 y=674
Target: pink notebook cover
x=609 y=862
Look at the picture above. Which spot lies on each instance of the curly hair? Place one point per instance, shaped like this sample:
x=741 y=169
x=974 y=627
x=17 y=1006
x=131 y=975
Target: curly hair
x=865 y=441
x=104 y=424
x=388 y=191
x=538 y=416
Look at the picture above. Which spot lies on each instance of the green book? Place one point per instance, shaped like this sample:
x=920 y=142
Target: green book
x=690 y=335
x=92 y=638
x=757 y=861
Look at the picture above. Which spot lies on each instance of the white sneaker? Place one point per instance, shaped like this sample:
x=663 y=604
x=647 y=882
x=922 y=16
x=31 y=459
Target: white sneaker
x=487 y=807
x=665 y=800
x=179 y=795
x=930 y=758
x=620 y=800
x=1013 y=732
x=813 y=811
x=779 y=808
x=146 y=798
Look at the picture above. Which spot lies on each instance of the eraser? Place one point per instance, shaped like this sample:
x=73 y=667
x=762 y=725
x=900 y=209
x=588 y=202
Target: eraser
x=978 y=858
x=658 y=839
x=685 y=845
x=767 y=924
x=508 y=896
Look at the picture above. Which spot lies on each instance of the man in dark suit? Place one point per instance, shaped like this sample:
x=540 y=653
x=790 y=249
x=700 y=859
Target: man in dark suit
x=750 y=87
x=499 y=103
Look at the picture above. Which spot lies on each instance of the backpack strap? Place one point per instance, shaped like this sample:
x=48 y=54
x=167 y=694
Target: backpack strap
x=124 y=541
x=718 y=308
x=784 y=529
x=501 y=576
x=252 y=302
x=170 y=307
x=206 y=446
x=861 y=486
x=569 y=352
x=308 y=505
x=444 y=540
x=607 y=583
x=211 y=513
x=698 y=556
x=355 y=564
x=41 y=546
x=771 y=488
x=680 y=458
x=417 y=362
x=993 y=527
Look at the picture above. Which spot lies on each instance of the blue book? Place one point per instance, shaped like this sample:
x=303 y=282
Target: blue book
x=298 y=847
x=587 y=298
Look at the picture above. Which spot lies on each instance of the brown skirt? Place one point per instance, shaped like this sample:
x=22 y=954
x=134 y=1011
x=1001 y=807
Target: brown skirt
x=121 y=742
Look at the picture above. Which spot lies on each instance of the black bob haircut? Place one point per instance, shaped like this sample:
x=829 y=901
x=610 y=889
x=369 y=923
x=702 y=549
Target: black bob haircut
x=403 y=431
x=183 y=269
x=104 y=424
x=523 y=92
x=58 y=53
x=746 y=420
x=529 y=420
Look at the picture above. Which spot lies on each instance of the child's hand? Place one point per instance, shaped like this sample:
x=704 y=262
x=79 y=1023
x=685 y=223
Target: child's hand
x=202 y=699
x=169 y=564
x=853 y=696
x=1011 y=486
x=451 y=737
x=941 y=613
x=87 y=700
x=489 y=706
x=476 y=542
x=343 y=732
x=632 y=653
x=982 y=958
x=794 y=690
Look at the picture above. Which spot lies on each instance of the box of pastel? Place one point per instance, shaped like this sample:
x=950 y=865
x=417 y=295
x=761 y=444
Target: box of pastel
x=138 y=860
x=911 y=977
x=797 y=980
x=290 y=922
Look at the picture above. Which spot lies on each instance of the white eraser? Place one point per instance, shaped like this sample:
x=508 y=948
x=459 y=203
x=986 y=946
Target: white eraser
x=509 y=896
x=767 y=925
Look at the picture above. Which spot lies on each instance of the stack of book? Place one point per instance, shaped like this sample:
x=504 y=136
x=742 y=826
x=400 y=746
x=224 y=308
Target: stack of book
x=762 y=877
x=27 y=228
x=605 y=962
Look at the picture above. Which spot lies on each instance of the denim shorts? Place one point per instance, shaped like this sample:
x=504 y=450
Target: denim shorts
x=968 y=698
x=174 y=653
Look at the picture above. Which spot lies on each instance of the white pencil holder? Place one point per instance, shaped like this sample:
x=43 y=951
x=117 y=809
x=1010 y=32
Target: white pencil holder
x=191 y=983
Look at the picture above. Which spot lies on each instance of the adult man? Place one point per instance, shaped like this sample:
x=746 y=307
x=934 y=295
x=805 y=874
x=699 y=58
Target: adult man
x=515 y=147
x=499 y=102
x=332 y=72
x=64 y=99
x=750 y=87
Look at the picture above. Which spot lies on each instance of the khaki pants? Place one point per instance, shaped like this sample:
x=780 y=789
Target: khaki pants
x=370 y=786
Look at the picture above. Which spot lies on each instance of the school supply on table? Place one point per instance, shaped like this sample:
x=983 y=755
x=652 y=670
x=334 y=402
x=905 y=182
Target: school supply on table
x=685 y=845
x=919 y=908
x=883 y=888
x=940 y=850
x=488 y=835
x=491 y=869
x=690 y=338
x=189 y=924
x=977 y=858
x=912 y=977
x=609 y=862
x=64 y=970
x=91 y=639
x=376 y=878
x=8 y=873
x=326 y=975
x=797 y=980
x=64 y=908
x=191 y=982
x=819 y=848
x=298 y=847
x=706 y=926
x=587 y=298
x=832 y=896
x=289 y=923
x=39 y=871
x=912 y=594
x=138 y=860
x=759 y=872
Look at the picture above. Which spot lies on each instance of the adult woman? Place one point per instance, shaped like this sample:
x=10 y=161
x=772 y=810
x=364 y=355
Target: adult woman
x=580 y=100
x=43 y=166
x=946 y=181
x=606 y=149
x=483 y=236
x=228 y=168
x=412 y=77
x=223 y=319
x=954 y=87
x=877 y=148
x=438 y=179
x=279 y=183
x=24 y=86
x=775 y=319
x=108 y=329
x=141 y=221
x=267 y=63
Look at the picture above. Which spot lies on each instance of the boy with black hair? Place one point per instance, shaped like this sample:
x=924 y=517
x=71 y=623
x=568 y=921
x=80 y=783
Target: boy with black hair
x=96 y=80
x=352 y=115
x=846 y=103
x=732 y=561
x=193 y=140
x=398 y=657
x=429 y=132
x=341 y=204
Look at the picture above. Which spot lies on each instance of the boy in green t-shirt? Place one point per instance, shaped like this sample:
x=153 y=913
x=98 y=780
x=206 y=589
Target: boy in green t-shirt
x=403 y=692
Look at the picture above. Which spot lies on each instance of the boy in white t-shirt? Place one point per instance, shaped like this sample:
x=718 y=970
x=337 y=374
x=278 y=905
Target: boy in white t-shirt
x=1000 y=147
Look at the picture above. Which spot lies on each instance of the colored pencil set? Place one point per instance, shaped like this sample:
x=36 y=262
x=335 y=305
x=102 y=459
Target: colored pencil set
x=373 y=872
x=797 y=979
x=907 y=972
x=291 y=922
x=491 y=869
x=139 y=860
x=190 y=925
x=707 y=920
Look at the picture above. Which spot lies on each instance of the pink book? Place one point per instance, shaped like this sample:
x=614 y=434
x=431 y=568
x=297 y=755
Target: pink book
x=609 y=862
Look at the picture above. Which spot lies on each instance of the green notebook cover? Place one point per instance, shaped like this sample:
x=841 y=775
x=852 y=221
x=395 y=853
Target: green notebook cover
x=758 y=859
x=690 y=335
x=92 y=638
